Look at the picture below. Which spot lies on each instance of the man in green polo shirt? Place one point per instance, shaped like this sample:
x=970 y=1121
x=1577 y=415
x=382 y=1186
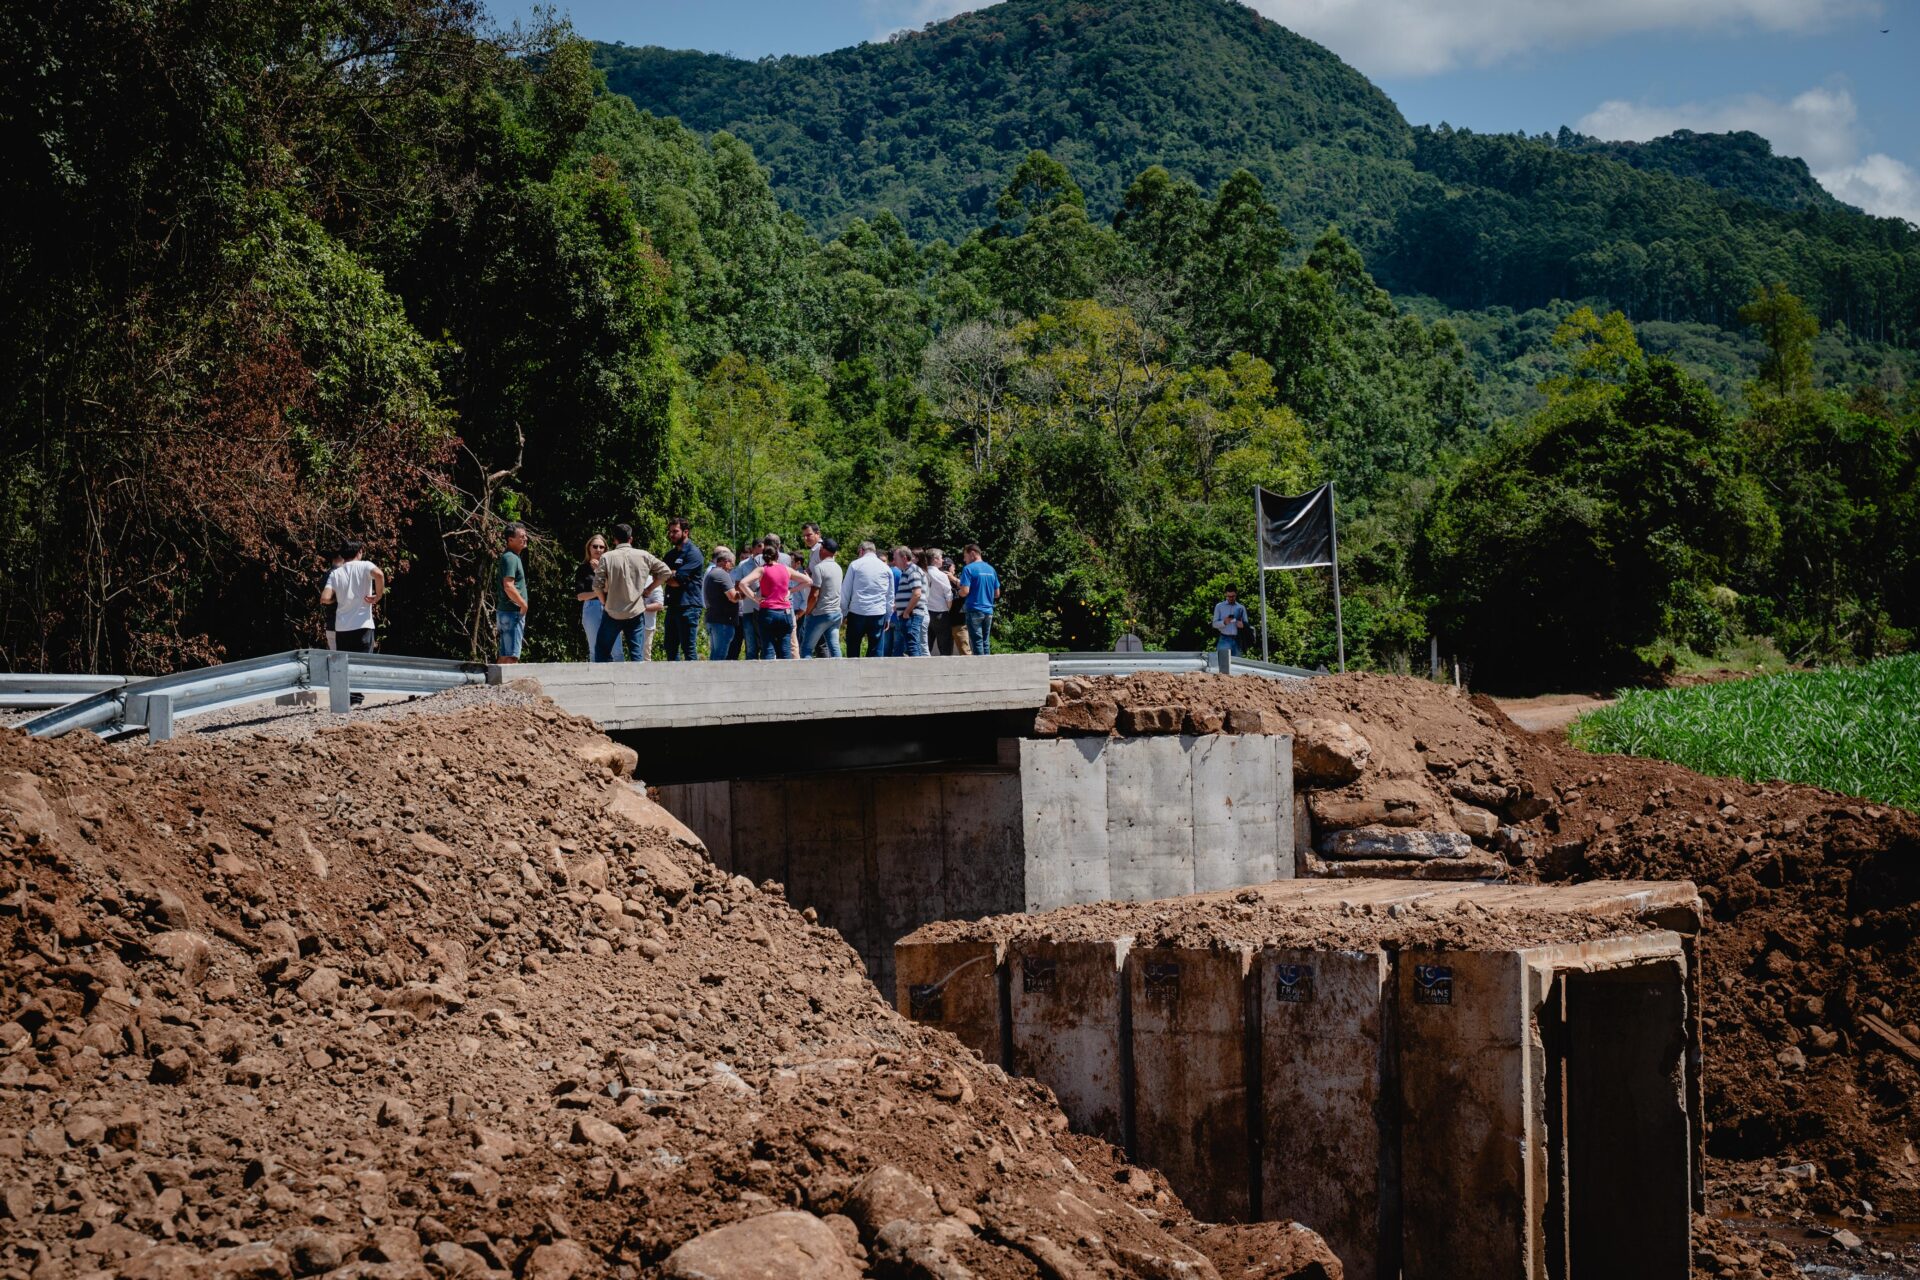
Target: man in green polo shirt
x=510 y=594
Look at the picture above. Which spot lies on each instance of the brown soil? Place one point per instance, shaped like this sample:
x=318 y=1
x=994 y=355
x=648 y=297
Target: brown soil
x=441 y=995
x=1813 y=903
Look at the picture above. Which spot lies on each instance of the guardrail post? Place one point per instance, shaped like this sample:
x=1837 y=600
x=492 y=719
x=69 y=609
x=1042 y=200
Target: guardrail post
x=1223 y=661
x=339 y=684
x=152 y=711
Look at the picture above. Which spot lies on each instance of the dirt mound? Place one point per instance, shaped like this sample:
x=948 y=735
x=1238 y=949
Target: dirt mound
x=1813 y=904
x=447 y=996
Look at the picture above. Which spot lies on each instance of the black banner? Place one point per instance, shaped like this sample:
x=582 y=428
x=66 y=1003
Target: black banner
x=1296 y=533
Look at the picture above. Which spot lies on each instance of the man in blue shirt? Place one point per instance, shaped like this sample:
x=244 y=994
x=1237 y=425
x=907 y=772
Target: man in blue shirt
x=979 y=589
x=684 y=592
x=1230 y=622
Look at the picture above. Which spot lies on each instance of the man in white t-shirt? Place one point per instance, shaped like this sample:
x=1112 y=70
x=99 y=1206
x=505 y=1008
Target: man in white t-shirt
x=354 y=588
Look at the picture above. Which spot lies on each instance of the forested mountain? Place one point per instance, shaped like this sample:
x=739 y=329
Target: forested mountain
x=1739 y=163
x=285 y=271
x=927 y=125
x=1680 y=229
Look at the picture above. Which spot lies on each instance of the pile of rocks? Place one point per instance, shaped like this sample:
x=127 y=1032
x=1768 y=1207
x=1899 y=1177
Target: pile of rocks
x=1392 y=781
x=448 y=996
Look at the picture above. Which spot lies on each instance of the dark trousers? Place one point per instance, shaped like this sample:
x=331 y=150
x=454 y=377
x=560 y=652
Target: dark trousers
x=631 y=630
x=683 y=625
x=360 y=641
x=750 y=635
x=868 y=627
x=940 y=631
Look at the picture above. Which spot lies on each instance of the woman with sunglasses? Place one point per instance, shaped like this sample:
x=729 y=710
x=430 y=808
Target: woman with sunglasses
x=590 y=606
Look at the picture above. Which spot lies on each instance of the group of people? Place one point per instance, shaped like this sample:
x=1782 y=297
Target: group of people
x=908 y=603
x=767 y=602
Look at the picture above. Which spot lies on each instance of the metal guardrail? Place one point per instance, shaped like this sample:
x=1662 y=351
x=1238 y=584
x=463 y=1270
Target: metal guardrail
x=30 y=691
x=151 y=706
x=1174 y=662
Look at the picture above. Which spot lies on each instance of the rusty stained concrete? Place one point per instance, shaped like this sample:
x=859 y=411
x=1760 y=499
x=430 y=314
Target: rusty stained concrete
x=1407 y=1118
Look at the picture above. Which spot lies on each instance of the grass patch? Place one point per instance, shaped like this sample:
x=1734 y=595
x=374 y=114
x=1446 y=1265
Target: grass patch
x=1755 y=654
x=1850 y=729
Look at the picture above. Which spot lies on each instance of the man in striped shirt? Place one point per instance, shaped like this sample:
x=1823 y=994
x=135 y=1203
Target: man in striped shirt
x=909 y=607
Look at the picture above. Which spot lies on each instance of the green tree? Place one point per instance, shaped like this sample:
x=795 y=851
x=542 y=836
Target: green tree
x=1788 y=331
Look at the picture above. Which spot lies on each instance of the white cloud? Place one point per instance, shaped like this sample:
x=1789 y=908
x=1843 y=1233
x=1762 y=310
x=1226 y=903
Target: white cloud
x=895 y=16
x=1821 y=126
x=1424 y=37
x=1879 y=184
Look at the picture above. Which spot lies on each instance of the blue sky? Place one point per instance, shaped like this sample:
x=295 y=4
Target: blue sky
x=1816 y=77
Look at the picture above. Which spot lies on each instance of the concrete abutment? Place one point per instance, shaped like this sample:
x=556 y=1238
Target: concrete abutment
x=1053 y=822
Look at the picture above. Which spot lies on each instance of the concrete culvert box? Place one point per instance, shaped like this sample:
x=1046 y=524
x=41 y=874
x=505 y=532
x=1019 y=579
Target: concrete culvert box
x=1065 y=1018
x=1443 y=1080
x=1190 y=1059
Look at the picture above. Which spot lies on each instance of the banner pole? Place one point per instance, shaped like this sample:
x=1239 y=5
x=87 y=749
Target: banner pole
x=1260 y=559
x=1333 y=530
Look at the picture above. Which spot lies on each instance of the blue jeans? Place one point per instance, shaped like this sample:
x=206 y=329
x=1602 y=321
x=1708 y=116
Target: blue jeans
x=719 y=640
x=512 y=627
x=869 y=627
x=1231 y=644
x=815 y=628
x=683 y=625
x=776 y=632
x=980 y=631
x=749 y=635
x=591 y=611
x=909 y=636
x=630 y=630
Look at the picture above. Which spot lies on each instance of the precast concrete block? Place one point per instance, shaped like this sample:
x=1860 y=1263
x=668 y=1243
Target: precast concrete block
x=981 y=845
x=1284 y=809
x=1330 y=1154
x=1472 y=1109
x=1190 y=1068
x=954 y=986
x=1150 y=817
x=1237 y=818
x=1065 y=1010
x=1063 y=800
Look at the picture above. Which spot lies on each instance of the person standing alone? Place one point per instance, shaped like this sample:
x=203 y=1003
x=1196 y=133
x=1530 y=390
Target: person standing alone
x=1230 y=621
x=979 y=590
x=684 y=590
x=353 y=588
x=510 y=594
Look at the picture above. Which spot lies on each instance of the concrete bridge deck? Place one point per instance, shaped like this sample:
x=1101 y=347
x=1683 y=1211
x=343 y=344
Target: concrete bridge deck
x=629 y=696
x=745 y=719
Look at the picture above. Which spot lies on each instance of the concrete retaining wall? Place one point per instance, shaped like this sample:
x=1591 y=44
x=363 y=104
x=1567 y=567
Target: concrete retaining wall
x=1507 y=1112
x=878 y=853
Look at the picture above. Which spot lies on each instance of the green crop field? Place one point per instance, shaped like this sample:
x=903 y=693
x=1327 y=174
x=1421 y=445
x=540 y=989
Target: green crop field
x=1851 y=729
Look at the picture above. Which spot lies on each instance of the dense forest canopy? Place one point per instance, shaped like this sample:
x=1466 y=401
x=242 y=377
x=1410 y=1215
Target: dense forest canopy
x=924 y=126
x=289 y=272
